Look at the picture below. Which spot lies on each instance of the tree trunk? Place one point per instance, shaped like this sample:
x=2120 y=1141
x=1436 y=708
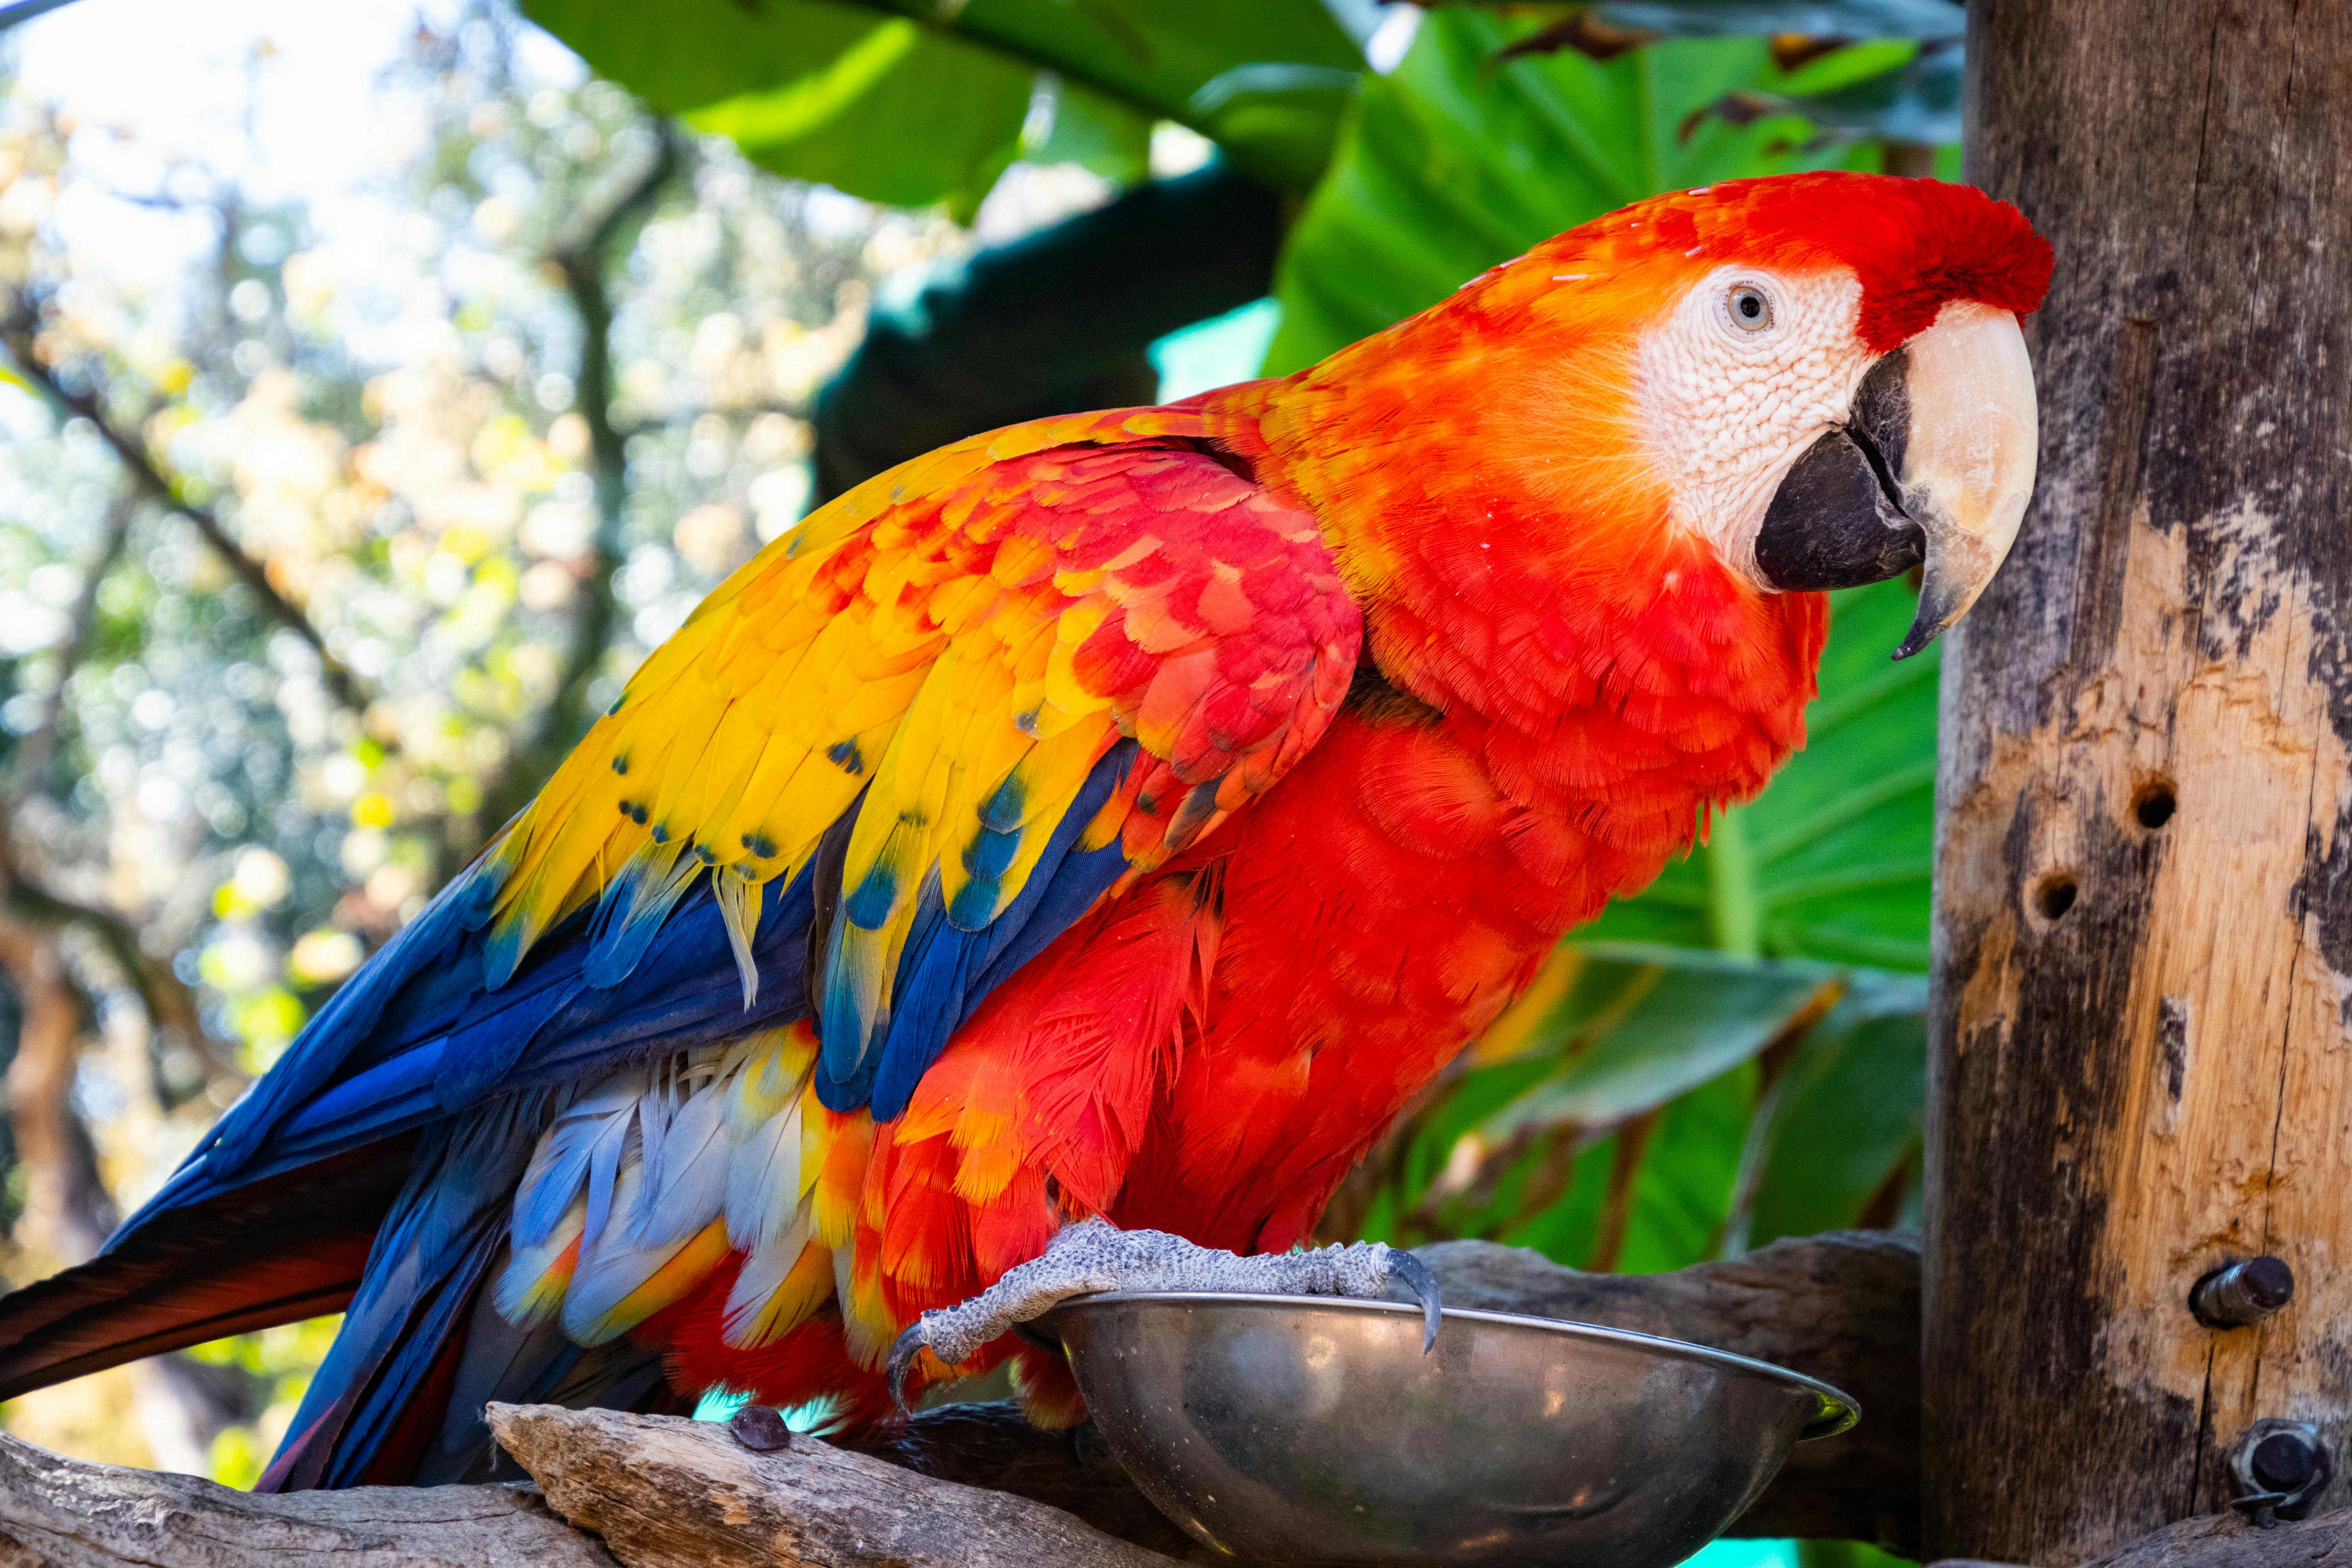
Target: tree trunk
x=2141 y=1069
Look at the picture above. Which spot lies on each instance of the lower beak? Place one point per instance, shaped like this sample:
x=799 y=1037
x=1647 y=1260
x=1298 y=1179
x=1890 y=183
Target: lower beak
x=1934 y=466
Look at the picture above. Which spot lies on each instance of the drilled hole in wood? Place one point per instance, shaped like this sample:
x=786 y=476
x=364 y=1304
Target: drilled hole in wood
x=2055 y=895
x=2154 y=806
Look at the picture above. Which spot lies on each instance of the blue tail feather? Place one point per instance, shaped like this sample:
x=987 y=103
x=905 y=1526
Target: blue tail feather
x=429 y=1258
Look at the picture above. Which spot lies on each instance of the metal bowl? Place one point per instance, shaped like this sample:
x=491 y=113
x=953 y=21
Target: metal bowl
x=1301 y=1430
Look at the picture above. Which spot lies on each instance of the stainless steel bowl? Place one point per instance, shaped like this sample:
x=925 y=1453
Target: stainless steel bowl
x=1299 y=1430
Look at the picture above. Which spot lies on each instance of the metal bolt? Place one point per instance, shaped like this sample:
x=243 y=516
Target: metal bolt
x=2283 y=1462
x=2242 y=1293
x=2281 y=1468
x=759 y=1428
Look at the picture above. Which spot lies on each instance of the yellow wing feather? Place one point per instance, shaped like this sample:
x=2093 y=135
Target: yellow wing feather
x=759 y=721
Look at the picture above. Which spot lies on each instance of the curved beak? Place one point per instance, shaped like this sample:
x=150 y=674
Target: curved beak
x=1933 y=464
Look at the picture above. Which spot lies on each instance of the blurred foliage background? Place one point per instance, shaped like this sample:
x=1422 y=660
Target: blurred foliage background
x=322 y=532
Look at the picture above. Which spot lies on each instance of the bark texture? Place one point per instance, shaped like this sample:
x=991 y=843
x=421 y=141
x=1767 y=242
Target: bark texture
x=993 y=1446
x=666 y=1492
x=2141 y=1069
x=2222 y=1541
x=62 y=1513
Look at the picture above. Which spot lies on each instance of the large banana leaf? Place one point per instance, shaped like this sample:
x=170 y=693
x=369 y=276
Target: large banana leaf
x=908 y=101
x=1842 y=1120
x=1643 y=1108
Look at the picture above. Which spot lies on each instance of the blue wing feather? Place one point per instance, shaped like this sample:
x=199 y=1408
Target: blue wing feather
x=945 y=971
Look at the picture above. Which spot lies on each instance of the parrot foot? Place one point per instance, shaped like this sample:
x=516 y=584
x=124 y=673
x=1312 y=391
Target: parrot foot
x=1093 y=1256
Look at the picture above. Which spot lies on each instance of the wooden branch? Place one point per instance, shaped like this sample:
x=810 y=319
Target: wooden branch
x=2222 y=1541
x=666 y=1492
x=62 y=1513
x=975 y=1485
x=993 y=1446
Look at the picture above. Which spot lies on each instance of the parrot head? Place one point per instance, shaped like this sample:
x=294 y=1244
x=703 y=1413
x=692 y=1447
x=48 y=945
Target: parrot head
x=1822 y=376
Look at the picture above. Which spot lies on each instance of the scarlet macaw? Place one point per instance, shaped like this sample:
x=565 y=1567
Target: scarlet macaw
x=1116 y=818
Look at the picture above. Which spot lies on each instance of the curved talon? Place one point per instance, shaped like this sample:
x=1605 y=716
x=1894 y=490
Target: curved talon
x=1405 y=1266
x=903 y=1351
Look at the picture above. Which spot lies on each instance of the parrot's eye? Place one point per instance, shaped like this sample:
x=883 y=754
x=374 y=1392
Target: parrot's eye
x=1750 y=308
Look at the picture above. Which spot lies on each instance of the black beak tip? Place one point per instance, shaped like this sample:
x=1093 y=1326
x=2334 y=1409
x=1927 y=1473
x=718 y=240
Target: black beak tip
x=1939 y=606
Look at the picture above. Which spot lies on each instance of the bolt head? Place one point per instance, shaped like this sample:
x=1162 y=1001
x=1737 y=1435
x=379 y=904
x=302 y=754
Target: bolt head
x=2283 y=1462
x=2269 y=1283
x=2244 y=1292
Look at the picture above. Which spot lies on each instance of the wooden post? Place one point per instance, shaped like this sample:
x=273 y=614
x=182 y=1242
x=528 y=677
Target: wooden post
x=2141 y=1066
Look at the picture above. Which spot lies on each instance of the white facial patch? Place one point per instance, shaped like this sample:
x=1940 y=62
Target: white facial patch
x=1748 y=370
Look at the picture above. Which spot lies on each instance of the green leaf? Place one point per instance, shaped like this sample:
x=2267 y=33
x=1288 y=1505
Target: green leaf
x=1158 y=55
x=1609 y=1036
x=1683 y=1192
x=907 y=101
x=1915 y=100
x=1919 y=102
x=1613 y=1118
x=953 y=115
x=1279 y=120
x=1102 y=133
x=1459 y=160
x=1846 y=1554
x=1644 y=1024
x=1844 y=1116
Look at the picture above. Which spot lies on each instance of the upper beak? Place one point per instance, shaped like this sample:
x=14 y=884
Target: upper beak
x=1935 y=463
